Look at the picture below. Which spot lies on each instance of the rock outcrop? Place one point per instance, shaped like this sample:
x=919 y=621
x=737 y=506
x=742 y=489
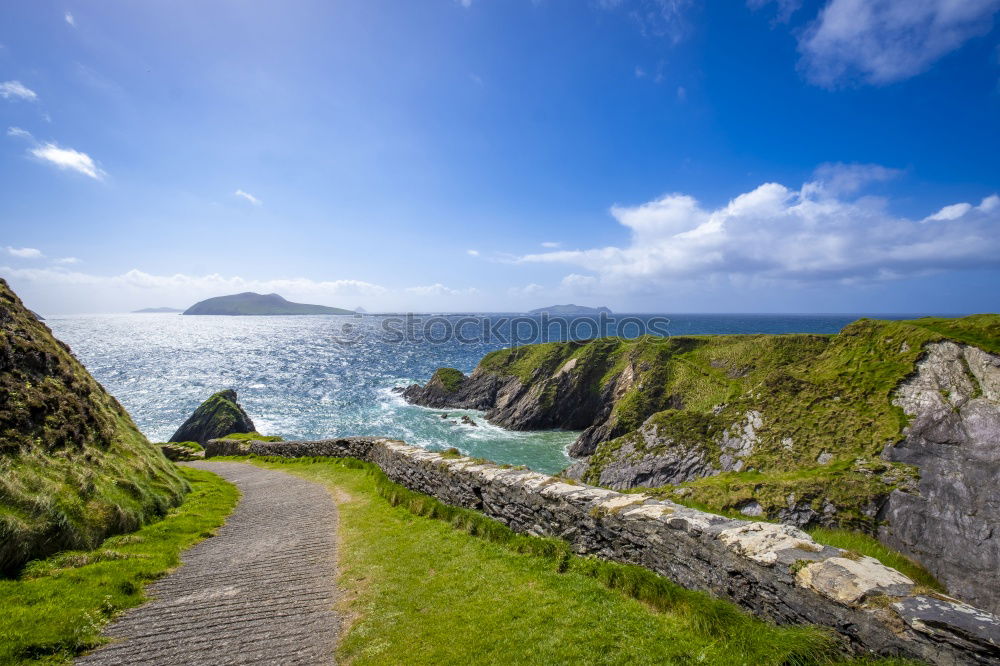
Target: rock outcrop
x=218 y=416
x=74 y=469
x=951 y=522
x=570 y=386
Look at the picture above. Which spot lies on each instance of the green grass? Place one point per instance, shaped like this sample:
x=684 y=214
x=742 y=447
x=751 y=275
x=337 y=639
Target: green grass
x=56 y=608
x=255 y=436
x=444 y=585
x=194 y=446
x=449 y=378
x=982 y=330
x=864 y=544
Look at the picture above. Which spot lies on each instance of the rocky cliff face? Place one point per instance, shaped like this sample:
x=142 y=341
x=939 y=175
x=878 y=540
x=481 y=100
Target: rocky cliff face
x=951 y=522
x=218 y=416
x=602 y=387
x=74 y=469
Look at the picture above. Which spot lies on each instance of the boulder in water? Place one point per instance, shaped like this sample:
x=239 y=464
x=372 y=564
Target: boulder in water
x=218 y=416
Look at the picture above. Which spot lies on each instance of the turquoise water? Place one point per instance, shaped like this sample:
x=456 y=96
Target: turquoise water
x=323 y=376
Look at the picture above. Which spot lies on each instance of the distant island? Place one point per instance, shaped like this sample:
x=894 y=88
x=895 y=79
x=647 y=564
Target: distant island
x=156 y=310
x=571 y=309
x=250 y=303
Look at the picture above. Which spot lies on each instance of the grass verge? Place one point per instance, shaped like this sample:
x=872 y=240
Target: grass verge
x=55 y=610
x=417 y=585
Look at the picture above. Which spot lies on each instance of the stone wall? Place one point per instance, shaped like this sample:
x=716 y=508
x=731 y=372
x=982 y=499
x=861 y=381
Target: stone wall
x=775 y=571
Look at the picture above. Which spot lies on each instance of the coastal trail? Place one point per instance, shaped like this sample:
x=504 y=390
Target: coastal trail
x=261 y=591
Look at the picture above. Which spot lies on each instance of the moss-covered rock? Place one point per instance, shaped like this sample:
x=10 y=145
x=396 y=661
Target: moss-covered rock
x=74 y=468
x=179 y=451
x=218 y=416
x=441 y=390
x=253 y=437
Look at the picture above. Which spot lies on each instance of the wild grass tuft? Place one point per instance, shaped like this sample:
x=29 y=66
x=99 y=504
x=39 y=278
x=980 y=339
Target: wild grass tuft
x=254 y=436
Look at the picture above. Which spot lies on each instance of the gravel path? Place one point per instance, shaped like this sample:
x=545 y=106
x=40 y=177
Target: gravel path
x=259 y=592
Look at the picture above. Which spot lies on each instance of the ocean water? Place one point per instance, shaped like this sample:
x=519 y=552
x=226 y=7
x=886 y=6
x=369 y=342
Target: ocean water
x=310 y=377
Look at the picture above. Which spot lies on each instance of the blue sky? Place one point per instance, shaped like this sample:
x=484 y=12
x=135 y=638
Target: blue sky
x=651 y=155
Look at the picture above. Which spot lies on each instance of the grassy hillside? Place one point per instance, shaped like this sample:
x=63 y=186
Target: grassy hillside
x=74 y=469
x=823 y=402
x=443 y=585
x=57 y=607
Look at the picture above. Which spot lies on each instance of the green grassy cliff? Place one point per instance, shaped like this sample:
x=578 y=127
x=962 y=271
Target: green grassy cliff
x=787 y=427
x=74 y=468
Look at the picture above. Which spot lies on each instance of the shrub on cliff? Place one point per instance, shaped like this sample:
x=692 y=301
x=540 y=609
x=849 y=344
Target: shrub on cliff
x=74 y=469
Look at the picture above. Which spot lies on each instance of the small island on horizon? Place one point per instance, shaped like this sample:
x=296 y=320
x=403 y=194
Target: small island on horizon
x=570 y=309
x=254 y=304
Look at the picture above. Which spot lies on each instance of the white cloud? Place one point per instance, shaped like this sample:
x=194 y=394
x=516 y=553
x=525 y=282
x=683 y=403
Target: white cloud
x=776 y=234
x=249 y=197
x=19 y=133
x=69 y=19
x=527 y=290
x=197 y=286
x=639 y=72
x=682 y=93
x=579 y=283
x=960 y=210
x=24 y=252
x=64 y=289
x=439 y=289
x=655 y=18
x=17 y=90
x=475 y=78
x=465 y=3
x=881 y=41
x=67 y=158
x=472 y=253
x=990 y=203
x=836 y=178
x=952 y=212
x=551 y=244
x=785 y=8
x=67 y=260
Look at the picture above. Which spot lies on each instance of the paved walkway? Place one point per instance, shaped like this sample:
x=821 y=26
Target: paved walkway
x=259 y=592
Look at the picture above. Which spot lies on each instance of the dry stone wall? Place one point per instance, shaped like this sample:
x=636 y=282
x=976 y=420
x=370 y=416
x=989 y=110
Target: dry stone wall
x=775 y=571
